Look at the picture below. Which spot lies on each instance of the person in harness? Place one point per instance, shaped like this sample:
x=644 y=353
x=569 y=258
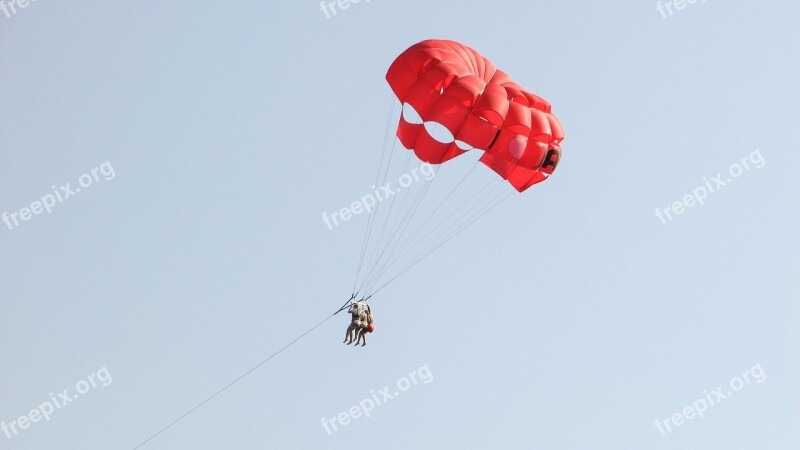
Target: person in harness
x=358 y=317
x=366 y=327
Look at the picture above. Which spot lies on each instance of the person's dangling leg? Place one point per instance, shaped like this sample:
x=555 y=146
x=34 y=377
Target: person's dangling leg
x=348 y=337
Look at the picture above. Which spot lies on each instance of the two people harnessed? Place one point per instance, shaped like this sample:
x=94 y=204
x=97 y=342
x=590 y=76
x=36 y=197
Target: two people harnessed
x=361 y=323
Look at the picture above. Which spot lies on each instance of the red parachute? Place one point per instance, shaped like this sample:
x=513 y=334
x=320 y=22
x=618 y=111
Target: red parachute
x=447 y=83
x=453 y=101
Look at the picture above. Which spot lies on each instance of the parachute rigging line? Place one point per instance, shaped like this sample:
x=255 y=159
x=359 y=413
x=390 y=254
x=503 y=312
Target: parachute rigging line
x=506 y=195
x=394 y=257
x=419 y=229
x=371 y=218
x=399 y=229
x=372 y=259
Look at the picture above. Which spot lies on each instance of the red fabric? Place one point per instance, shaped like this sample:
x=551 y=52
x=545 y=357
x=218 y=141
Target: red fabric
x=452 y=84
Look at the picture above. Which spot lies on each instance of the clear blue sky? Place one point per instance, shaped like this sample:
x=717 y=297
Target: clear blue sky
x=568 y=318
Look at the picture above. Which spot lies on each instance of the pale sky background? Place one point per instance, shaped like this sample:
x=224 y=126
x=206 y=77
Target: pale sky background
x=568 y=318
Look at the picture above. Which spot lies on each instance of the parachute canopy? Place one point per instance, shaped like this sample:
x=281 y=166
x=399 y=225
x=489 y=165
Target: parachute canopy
x=455 y=100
